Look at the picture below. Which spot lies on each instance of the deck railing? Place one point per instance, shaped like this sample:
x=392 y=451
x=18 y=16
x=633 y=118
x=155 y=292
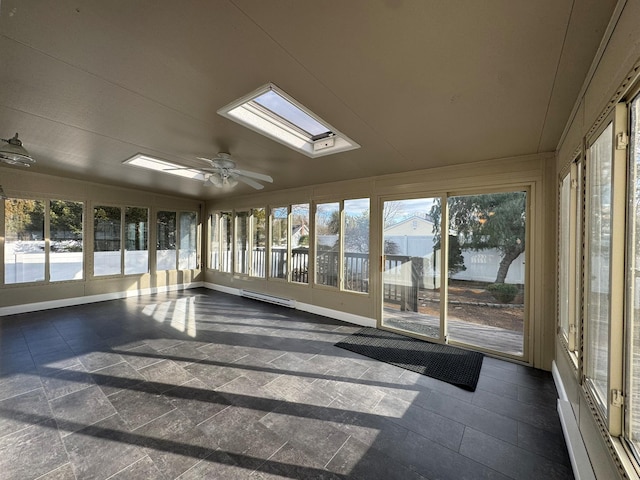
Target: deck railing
x=401 y=278
x=401 y=281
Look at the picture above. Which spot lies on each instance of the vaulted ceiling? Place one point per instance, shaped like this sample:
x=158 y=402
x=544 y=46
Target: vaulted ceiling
x=417 y=83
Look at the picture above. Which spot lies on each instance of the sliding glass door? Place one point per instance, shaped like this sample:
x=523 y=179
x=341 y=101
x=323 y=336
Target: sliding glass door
x=411 y=268
x=467 y=287
x=486 y=271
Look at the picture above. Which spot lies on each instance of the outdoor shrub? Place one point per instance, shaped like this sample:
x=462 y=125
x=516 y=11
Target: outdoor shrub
x=503 y=292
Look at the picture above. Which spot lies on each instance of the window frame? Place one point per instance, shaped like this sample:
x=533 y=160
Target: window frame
x=253 y=226
x=287 y=274
x=632 y=449
x=573 y=223
x=175 y=250
x=608 y=408
x=341 y=245
x=93 y=238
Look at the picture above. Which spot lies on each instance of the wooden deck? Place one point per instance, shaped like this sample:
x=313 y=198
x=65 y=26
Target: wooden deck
x=485 y=336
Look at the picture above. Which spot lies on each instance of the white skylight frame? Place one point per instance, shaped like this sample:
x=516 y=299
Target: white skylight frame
x=256 y=116
x=151 y=163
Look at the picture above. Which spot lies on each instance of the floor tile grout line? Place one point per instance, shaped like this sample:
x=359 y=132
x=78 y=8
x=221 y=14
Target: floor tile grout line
x=326 y=466
x=153 y=419
x=58 y=468
x=128 y=466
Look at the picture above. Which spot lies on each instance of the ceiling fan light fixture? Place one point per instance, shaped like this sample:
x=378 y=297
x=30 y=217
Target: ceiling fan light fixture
x=232 y=182
x=13 y=153
x=215 y=179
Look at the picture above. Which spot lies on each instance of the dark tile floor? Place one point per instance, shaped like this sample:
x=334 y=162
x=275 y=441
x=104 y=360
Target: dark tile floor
x=200 y=384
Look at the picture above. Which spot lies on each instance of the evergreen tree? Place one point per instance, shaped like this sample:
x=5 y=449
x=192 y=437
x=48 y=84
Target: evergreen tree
x=490 y=221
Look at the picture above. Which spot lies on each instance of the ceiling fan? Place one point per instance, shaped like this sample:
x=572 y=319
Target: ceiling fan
x=222 y=172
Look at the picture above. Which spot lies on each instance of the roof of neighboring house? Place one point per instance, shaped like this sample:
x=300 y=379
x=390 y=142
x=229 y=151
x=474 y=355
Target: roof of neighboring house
x=414 y=225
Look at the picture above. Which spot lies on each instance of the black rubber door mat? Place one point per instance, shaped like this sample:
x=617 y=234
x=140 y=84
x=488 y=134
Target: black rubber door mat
x=450 y=364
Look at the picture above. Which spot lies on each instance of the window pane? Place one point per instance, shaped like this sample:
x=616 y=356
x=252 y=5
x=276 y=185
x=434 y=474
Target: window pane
x=106 y=240
x=411 y=276
x=259 y=239
x=242 y=242
x=285 y=109
x=24 y=241
x=166 y=242
x=564 y=255
x=136 y=234
x=356 y=245
x=327 y=243
x=279 y=227
x=214 y=247
x=633 y=376
x=187 y=249
x=300 y=243
x=65 y=226
x=486 y=270
x=598 y=261
x=225 y=239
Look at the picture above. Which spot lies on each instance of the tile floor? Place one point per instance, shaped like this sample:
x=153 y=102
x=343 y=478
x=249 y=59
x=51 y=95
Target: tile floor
x=199 y=384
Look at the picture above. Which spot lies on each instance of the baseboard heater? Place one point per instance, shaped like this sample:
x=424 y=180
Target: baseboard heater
x=265 y=297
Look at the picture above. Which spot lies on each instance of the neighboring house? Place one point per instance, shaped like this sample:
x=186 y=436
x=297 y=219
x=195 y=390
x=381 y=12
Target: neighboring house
x=414 y=237
x=297 y=232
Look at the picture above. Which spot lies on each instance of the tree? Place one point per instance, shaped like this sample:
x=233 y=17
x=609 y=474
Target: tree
x=356 y=231
x=260 y=227
x=455 y=260
x=480 y=222
x=391 y=212
x=65 y=219
x=24 y=219
x=391 y=247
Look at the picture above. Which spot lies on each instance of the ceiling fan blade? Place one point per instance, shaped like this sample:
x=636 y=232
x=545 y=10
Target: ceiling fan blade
x=257 y=176
x=250 y=182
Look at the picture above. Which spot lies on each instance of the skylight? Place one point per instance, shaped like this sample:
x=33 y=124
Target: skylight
x=144 y=161
x=273 y=113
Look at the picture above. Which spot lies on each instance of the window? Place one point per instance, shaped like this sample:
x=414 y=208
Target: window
x=24 y=256
x=66 y=247
x=271 y=112
x=106 y=240
x=242 y=242
x=603 y=267
x=342 y=244
x=300 y=243
x=258 y=242
x=226 y=244
x=356 y=245
x=279 y=242
x=27 y=255
x=166 y=241
x=564 y=254
x=136 y=250
x=214 y=241
x=188 y=244
x=327 y=244
x=247 y=256
x=633 y=288
x=570 y=256
x=598 y=293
